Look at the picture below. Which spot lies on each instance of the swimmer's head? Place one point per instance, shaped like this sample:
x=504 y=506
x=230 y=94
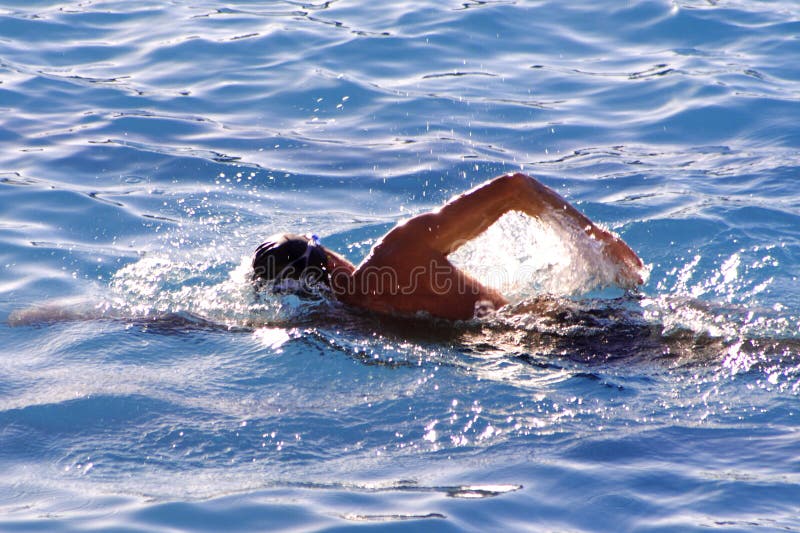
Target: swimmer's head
x=291 y=257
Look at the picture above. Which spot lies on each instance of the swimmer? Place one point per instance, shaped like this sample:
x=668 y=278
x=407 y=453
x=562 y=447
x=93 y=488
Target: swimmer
x=408 y=270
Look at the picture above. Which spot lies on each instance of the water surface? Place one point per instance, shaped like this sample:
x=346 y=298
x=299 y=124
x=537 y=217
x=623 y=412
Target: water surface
x=150 y=146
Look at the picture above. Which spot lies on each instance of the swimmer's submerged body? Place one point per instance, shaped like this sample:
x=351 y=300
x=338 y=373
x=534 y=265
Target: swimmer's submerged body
x=408 y=270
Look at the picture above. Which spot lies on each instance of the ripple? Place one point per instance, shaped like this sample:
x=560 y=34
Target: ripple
x=458 y=74
x=392 y=517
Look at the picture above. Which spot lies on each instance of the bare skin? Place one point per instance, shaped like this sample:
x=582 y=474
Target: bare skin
x=408 y=271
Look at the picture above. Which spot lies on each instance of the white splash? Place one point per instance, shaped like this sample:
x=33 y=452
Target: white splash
x=522 y=256
x=156 y=286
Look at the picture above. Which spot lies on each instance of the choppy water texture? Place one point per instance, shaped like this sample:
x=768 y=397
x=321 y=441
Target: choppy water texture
x=148 y=147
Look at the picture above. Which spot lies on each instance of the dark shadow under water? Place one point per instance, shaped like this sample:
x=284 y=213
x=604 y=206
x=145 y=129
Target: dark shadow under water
x=553 y=330
x=602 y=331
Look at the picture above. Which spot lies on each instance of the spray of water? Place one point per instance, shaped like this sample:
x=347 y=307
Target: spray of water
x=217 y=293
x=523 y=256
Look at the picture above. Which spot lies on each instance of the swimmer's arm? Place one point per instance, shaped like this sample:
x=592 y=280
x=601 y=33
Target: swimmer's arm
x=470 y=214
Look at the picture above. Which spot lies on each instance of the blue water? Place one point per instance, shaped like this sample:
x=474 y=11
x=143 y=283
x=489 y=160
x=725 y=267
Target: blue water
x=148 y=147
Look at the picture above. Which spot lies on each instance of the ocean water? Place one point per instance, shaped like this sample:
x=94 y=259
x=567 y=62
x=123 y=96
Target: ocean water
x=148 y=147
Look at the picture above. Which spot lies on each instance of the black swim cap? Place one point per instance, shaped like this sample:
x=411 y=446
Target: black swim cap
x=290 y=256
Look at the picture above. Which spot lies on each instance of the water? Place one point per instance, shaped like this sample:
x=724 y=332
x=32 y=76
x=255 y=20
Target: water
x=150 y=146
